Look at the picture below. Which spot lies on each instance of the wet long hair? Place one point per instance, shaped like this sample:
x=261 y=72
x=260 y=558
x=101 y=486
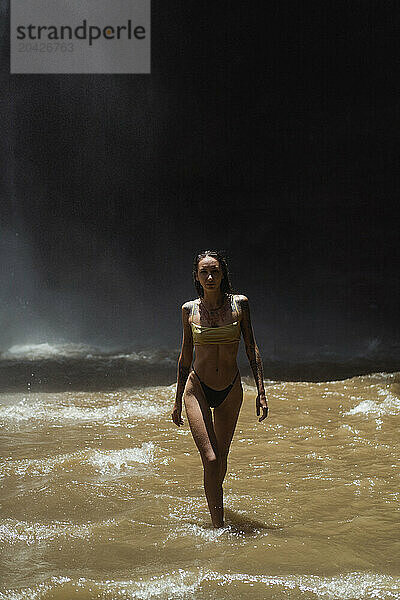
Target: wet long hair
x=226 y=287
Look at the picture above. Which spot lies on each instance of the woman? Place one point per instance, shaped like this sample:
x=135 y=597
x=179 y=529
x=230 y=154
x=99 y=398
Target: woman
x=213 y=323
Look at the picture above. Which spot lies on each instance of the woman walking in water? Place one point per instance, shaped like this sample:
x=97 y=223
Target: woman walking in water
x=213 y=324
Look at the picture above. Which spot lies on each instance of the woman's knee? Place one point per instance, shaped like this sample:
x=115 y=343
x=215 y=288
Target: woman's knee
x=211 y=461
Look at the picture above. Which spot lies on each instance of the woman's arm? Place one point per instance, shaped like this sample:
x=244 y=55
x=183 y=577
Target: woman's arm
x=254 y=357
x=184 y=364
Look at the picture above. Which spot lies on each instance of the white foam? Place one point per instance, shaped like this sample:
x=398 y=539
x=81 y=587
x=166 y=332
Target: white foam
x=183 y=584
x=29 y=533
x=106 y=462
x=390 y=405
x=36 y=411
x=119 y=461
x=46 y=350
x=12 y=531
x=207 y=534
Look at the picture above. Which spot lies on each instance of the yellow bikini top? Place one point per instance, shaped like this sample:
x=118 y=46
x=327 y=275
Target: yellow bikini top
x=222 y=334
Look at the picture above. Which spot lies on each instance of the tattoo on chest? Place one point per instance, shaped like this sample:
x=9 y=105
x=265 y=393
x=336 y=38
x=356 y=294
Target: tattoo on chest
x=215 y=317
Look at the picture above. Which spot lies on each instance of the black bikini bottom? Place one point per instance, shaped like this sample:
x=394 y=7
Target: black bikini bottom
x=215 y=397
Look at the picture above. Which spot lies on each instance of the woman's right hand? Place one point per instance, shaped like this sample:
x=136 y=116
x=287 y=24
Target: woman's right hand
x=261 y=404
x=177 y=414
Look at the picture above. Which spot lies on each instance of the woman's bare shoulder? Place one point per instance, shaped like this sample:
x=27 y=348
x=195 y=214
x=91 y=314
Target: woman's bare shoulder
x=187 y=306
x=240 y=298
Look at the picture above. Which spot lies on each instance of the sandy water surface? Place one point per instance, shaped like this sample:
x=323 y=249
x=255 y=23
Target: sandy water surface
x=102 y=497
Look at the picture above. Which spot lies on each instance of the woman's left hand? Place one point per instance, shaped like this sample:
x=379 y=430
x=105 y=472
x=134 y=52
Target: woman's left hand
x=177 y=414
x=261 y=404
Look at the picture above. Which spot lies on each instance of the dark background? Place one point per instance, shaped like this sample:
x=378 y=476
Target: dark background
x=267 y=129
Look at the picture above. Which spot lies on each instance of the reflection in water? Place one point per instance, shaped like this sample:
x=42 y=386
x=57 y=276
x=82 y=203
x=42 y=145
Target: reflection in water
x=102 y=496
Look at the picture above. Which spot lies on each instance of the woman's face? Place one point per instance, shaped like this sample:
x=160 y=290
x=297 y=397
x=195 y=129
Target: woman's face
x=209 y=273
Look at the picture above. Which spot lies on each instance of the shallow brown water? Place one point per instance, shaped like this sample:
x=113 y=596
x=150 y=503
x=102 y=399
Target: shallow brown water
x=102 y=497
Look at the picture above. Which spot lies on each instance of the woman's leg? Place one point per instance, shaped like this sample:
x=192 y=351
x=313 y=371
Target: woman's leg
x=200 y=421
x=225 y=420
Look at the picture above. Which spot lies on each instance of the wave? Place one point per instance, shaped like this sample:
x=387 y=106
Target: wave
x=43 y=409
x=32 y=533
x=184 y=584
x=388 y=405
x=103 y=462
x=58 y=367
x=84 y=351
